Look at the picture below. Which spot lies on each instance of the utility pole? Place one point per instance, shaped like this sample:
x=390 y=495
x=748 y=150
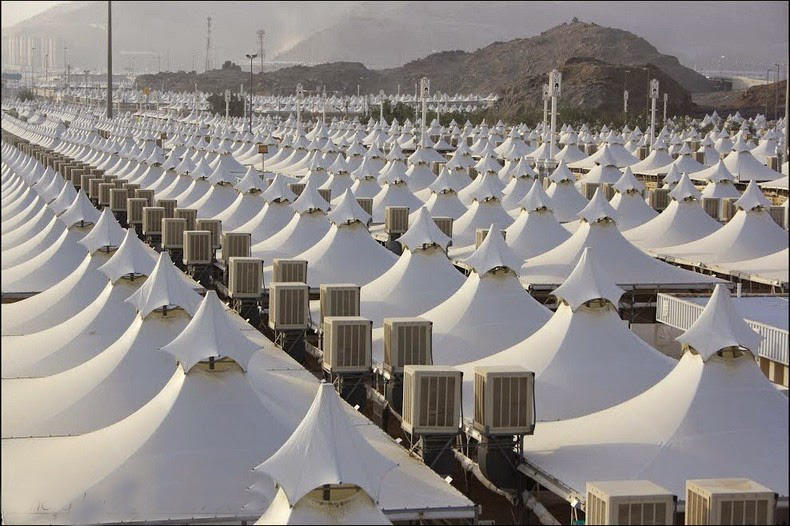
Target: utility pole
x=65 y=65
x=251 y=56
x=32 y=71
x=227 y=103
x=625 y=103
x=425 y=87
x=653 y=97
x=666 y=96
x=109 y=59
x=208 y=44
x=381 y=106
x=767 y=82
x=545 y=106
x=555 y=81
x=776 y=89
x=260 y=34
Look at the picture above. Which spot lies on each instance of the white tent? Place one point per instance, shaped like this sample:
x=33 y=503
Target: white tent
x=772 y=267
x=629 y=264
x=346 y=253
x=584 y=346
x=93 y=328
x=535 y=230
x=682 y=221
x=566 y=200
x=751 y=233
x=422 y=277
x=116 y=382
x=720 y=182
x=274 y=215
x=742 y=164
x=488 y=313
x=681 y=428
x=628 y=202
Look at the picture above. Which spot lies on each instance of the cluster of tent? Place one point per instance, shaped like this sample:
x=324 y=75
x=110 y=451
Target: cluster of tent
x=118 y=375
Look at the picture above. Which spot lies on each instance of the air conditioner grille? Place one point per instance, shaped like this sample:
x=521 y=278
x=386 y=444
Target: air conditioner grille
x=169 y=205
x=190 y=214
x=347 y=344
x=436 y=405
x=214 y=226
x=445 y=224
x=245 y=277
x=118 y=197
x=339 y=300
x=152 y=219
x=396 y=219
x=235 y=244
x=366 y=203
x=407 y=343
x=197 y=247
x=289 y=270
x=173 y=232
x=288 y=306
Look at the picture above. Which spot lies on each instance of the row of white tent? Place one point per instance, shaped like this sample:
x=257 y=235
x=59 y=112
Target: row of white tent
x=478 y=316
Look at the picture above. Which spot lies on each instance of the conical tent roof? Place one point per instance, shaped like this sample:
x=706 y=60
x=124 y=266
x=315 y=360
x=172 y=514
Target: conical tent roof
x=105 y=233
x=657 y=435
x=133 y=257
x=423 y=233
x=493 y=253
x=328 y=442
x=719 y=327
x=588 y=282
x=355 y=509
x=80 y=210
x=165 y=286
x=211 y=333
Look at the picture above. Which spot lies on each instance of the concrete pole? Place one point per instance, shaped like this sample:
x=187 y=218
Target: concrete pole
x=553 y=126
x=109 y=59
x=652 y=119
x=787 y=98
x=424 y=83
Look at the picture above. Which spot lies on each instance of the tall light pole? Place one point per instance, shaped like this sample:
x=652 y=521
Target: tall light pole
x=555 y=85
x=32 y=71
x=666 y=97
x=86 y=86
x=109 y=59
x=653 y=97
x=251 y=56
x=425 y=87
x=776 y=89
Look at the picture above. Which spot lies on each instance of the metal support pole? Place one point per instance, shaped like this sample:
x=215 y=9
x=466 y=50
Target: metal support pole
x=555 y=80
x=425 y=83
x=666 y=96
x=109 y=59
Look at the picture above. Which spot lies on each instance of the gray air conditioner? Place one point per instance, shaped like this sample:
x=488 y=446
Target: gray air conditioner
x=347 y=344
x=245 y=277
x=431 y=400
x=197 y=247
x=481 y=233
x=118 y=197
x=445 y=224
x=407 y=341
x=504 y=401
x=341 y=299
x=396 y=219
x=134 y=210
x=366 y=204
x=148 y=194
x=173 y=232
x=235 y=244
x=169 y=205
x=288 y=306
x=292 y=270
x=729 y=501
x=628 y=502
x=152 y=220
x=190 y=214
x=215 y=227
x=104 y=193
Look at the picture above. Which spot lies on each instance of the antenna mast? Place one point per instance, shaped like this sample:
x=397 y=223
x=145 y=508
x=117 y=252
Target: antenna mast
x=260 y=34
x=208 y=44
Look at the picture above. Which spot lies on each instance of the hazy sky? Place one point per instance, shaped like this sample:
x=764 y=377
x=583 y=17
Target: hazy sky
x=14 y=12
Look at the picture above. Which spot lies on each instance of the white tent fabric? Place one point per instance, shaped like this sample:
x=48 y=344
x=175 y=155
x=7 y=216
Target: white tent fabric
x=582 y=347
x=751 y=233
x=488 y=313
x=422 y=277
x=326 y=448
x=355 y=509
x=566 y=200
x=658 y=435
x=682 y=221
x=628 y=203
x=535 y=230
x=629 y=264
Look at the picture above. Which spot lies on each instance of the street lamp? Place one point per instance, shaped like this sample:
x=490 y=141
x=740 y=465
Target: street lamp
x=251 y=57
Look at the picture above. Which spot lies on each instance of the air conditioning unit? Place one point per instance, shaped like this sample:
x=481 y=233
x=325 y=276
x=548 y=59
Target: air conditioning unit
x=93 y=187
x=245 y=277
x=628 y=502
x=131 y=188
x=288 y=306
x=659 y=199
x=431 y=400
x=104 y=193
x=504 y=401
x=190 y=214
x=109 y=178
x=396 y=219
x=134 y=210
x=728 y=208
x=347 y=344
x=608 y=191
x=118 y=197
x=296 y=188
x=480 y=236
x=340 y=299
x=699 y=157
x=289 y=270
x=589 y=189
x=173 y=232
x=197 y=247
x=407 y=341
x=772 y=162
x=215 y=227
x=235 y=244
x=590 y=149
x=85 y=181
x=169 y=205
x=152 y=219
x=148 y=194
x=711 y=206
x=326 y=193
x=729 y=501
x=366 y=203
x=445 y=224
x=778 y=213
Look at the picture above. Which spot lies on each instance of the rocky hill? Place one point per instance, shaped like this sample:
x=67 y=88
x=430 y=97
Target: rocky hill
x=748 y=102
